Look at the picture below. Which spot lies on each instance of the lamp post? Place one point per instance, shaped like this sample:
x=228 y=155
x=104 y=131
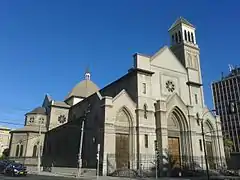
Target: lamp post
x=219 y=149
x=39 y=146
x=203 y=136
x=156 y=158
x=204 y=147
x=81 y=141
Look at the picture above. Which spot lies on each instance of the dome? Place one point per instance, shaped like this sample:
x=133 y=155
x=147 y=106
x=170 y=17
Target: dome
x=83 y=89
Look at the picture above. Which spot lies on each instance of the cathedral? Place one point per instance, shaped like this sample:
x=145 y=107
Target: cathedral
x=158 y=105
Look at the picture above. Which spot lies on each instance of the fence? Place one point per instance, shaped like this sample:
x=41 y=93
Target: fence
x=149 y=165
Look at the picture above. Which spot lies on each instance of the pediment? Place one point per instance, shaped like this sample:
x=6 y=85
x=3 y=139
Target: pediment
x=123 y=101
x=165 y=58
x=208 y=115
x=123 y=95
x=175 y=100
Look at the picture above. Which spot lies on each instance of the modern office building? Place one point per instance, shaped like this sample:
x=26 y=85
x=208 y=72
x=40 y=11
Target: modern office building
x=226 y=95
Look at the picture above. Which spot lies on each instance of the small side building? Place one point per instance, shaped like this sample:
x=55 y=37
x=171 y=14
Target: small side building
x=4 y=139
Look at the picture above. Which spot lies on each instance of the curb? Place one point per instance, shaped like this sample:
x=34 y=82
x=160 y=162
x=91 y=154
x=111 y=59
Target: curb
x=53 y=174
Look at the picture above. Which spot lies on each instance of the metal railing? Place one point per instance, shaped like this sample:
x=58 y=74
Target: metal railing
x=166 y=166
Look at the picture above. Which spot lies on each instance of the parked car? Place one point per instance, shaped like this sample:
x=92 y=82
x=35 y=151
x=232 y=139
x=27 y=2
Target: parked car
x=15 y=169
x=4 y=164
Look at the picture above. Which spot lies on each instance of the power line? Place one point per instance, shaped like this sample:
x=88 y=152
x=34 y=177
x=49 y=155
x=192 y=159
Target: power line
x=12 y=123
x=79 y=127
x=2 y=109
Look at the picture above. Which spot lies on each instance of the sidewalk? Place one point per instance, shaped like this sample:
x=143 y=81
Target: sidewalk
x=43 y=173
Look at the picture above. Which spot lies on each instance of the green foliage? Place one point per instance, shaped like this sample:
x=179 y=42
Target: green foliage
x=5 y=154
x=228 y=144
x=172 y=161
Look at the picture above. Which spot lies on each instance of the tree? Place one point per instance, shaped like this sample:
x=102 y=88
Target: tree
x=5 y=153
x=228 y=144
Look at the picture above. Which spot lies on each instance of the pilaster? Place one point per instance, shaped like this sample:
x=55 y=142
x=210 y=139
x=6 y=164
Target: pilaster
x=109 y=134
x=161 y=125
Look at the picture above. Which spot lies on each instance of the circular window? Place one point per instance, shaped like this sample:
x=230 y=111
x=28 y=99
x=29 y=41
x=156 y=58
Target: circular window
x=170 y=86
x=62 y=119
x=41 y=120
x=31 y=120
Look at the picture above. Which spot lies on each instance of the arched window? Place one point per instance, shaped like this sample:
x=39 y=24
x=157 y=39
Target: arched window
x=145 y=111
x=172 y=39
x=17 y=151
x=192 y=38
x=185 y=35
x=179 y=36
x=189 y=58
x=21 y=150
x=31 y=119
x=176 y=37
x=189 y=38
x=35 y=147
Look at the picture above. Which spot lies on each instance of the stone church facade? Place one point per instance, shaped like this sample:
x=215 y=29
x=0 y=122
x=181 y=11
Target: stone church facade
x=156 y=101
x=27 y=142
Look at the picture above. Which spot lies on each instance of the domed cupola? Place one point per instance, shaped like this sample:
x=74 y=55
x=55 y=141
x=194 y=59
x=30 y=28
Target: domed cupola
x=82 y=90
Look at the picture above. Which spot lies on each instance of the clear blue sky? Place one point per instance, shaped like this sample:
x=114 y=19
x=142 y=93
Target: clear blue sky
x=45 y=45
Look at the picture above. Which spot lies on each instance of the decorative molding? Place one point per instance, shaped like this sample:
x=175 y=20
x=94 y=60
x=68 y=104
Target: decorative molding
x=146 y=72
x=193 y=83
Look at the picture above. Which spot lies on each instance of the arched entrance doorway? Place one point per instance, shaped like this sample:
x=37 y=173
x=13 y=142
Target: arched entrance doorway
x=123 y=139
x=178 y=144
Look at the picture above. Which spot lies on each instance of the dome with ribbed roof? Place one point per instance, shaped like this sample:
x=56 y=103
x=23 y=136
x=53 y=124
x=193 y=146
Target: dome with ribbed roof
x=84 y=88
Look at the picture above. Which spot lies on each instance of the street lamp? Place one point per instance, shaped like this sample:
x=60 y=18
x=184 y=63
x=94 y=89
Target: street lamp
x=87 y=111
x=40 y=123
x=203 y=136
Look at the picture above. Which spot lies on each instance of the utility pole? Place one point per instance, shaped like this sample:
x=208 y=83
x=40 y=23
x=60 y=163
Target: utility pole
x=81 y=141
x=39 y=147
x=98 y=151
x=156 y=158
x=80 y=149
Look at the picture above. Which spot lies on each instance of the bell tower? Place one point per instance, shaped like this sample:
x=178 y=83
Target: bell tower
x=184 y=46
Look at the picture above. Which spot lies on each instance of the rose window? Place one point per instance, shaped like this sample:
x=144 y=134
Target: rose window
x=170 y=86
x=62 y=119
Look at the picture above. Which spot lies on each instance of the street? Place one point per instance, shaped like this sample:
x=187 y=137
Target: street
x=34 y=177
